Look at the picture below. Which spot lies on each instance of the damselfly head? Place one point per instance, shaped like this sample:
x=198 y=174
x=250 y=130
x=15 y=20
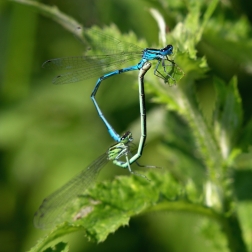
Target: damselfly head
x=126 y=137
x=168 y=50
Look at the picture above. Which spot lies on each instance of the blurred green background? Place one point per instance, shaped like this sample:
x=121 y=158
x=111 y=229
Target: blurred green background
x=49 y=133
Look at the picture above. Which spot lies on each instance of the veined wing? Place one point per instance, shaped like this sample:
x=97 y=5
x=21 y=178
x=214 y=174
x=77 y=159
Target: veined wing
x=55 y=205
x=85 y=67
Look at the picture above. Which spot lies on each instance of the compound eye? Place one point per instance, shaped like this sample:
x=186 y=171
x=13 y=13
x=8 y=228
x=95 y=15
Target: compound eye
x=167 y=48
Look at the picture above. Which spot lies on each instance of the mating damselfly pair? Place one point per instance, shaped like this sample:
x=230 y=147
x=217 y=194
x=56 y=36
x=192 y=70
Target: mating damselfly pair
x=52 y=207
x=84 y=67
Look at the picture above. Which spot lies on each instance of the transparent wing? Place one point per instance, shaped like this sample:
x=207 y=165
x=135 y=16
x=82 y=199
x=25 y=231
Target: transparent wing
x=85 y=67
x=55 y=205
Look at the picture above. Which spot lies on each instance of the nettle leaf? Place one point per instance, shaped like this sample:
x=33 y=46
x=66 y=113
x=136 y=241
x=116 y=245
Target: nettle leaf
x=186 y=35
x=228 y=114
x=110 y=205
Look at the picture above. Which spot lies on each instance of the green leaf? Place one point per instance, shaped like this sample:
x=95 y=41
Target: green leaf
x=110 y=205
x=188 y=33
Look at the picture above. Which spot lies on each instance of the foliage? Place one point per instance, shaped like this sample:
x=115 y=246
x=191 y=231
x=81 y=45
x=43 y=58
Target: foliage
x=204 y=135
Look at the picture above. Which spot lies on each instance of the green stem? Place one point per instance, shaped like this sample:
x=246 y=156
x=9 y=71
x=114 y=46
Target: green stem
x=185 y=207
